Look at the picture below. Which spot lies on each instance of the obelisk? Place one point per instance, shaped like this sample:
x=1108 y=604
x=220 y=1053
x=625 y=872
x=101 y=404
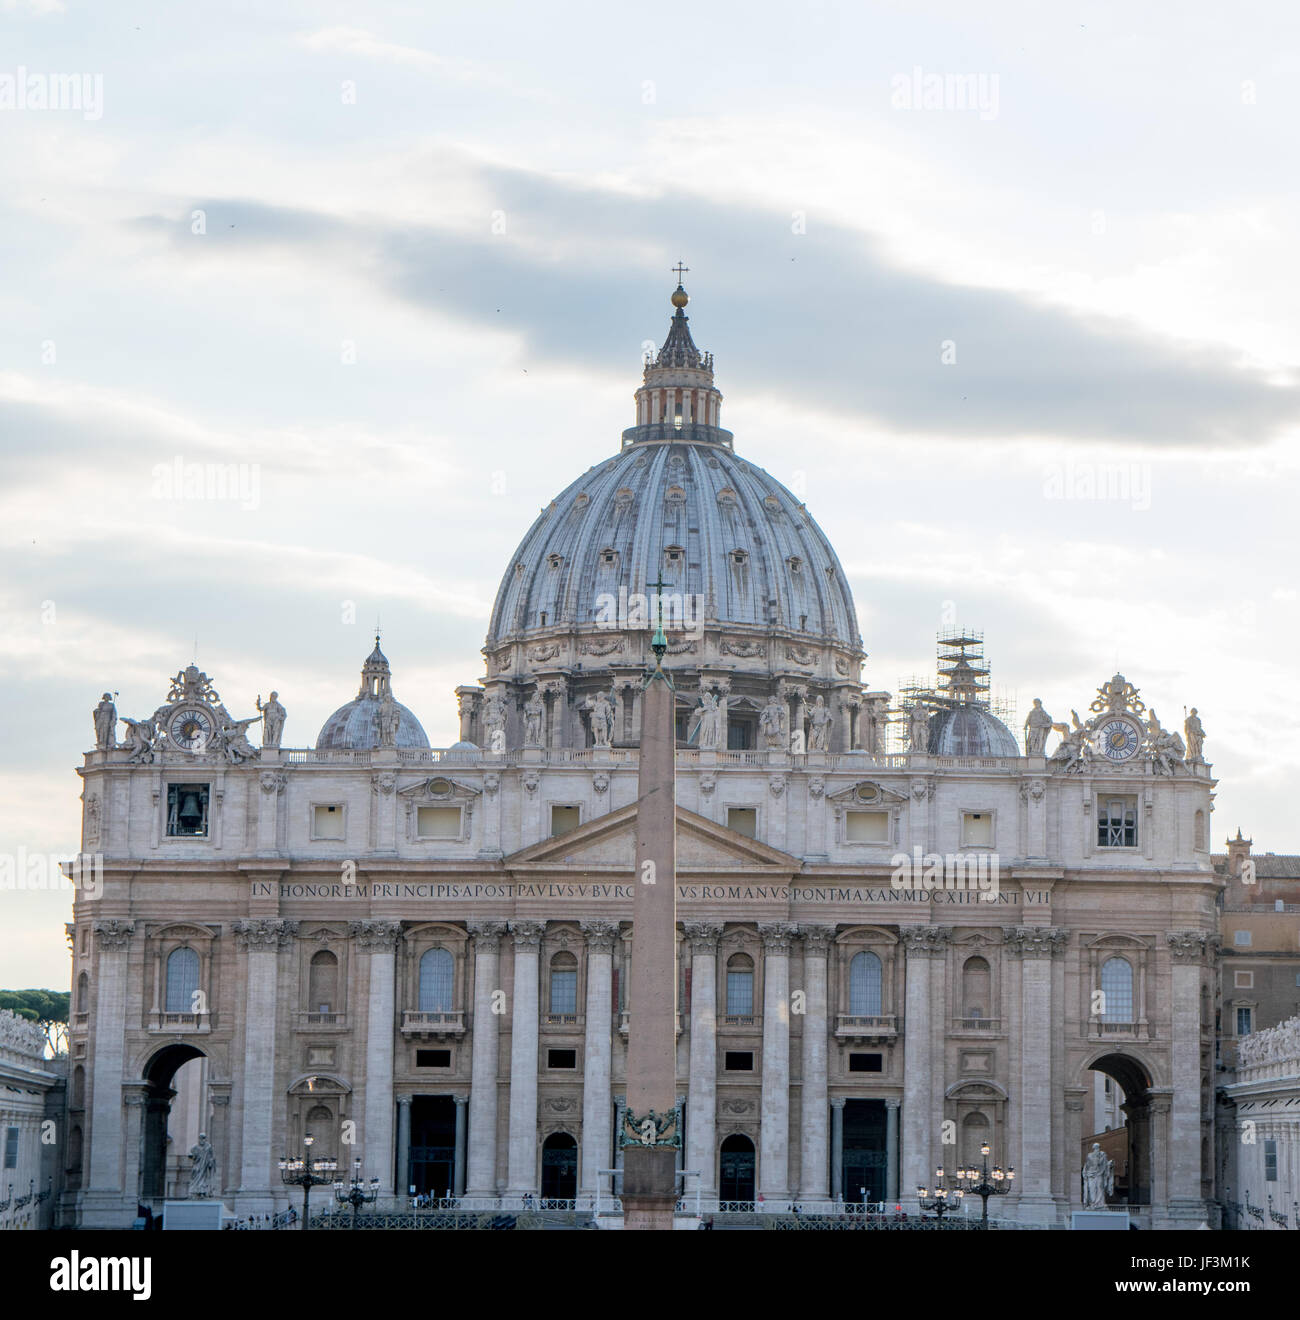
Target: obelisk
x=651 y=1133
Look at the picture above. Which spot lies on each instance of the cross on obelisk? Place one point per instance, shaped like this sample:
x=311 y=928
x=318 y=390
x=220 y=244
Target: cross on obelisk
x=651 y=1135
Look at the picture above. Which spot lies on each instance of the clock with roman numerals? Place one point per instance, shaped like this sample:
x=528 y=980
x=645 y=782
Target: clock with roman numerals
x=1119 y=738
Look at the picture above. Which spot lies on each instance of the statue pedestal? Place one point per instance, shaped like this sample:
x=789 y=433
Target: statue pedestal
x=815 y=758
x=201 y=1216
x=270 y=756
x=1105 y=1220
x=708 y=758
x=649 y=1187
x=601 y=756
x=534 y=755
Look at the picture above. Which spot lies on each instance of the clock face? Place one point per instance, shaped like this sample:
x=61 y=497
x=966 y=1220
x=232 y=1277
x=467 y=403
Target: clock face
x=191 y=728
x=1119 y=739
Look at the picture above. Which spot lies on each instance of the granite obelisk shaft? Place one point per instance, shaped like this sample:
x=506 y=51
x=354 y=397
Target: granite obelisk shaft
x=649 y=1180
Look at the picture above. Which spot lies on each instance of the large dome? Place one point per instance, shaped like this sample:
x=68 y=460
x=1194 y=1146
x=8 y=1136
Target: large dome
x=677 y=501
x=970 y=730
x=358 y=724
x=719 y=528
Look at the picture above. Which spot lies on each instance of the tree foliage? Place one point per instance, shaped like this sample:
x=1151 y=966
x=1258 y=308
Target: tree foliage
x=47 y=1008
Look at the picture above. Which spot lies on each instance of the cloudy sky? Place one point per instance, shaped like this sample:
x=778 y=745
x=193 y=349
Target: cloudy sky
x=400 y=261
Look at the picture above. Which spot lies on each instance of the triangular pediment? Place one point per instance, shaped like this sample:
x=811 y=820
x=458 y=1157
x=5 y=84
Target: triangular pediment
x=608 y=843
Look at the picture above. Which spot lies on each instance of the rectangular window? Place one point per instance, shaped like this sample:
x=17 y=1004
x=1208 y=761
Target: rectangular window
x=977 y=829
x=866 y=827
x=1241 y=938
x=744 y=820
x=1270 y=1160
x=187 y=811
x=563 y=819
x=437 y=822
x=433 y=1058
x=561 y=1058
x=327 y=820
x=1243 y=980
x=1117 y=823
x=739 y=1060
x=1245 y=1016
x=865 y=1063
x=740 y=994
x=11 y=1148
x=740 y=735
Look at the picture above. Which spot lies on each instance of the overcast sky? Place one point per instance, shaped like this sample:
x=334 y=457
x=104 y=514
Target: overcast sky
x=402 y=259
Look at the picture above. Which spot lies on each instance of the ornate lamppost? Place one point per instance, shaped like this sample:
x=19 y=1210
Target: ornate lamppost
x=358 y=1192
x=944 y=1201
x=307 y=1173
x=985 y=1182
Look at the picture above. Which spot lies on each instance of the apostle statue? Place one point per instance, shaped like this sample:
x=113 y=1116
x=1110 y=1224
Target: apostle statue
x=203 y=1167
x=819 y=726
x=494 y=724
x=1038 y=724
x=534 y=712
x=771 y=722
x=602 y=719
x=1098 y=1178
x=106 y=723
x=918 y=728
x=710 y=721
x=1195 y=735
x=272 y=720
x=389 y=717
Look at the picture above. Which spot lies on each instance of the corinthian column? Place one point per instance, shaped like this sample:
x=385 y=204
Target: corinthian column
x=813 y=1166
x=596 y=1096
x=483 y=1058
x=521 y=1174
x=262 y=938
x=774 y=1132
x=1187 y=949
x=702 y=1097
x=923 y=944
x=379 y=939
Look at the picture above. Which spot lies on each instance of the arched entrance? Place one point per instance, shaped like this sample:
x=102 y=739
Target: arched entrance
x=736 y=1169
x=156 y=1145
x=1128 y=1145
x=559 y=1167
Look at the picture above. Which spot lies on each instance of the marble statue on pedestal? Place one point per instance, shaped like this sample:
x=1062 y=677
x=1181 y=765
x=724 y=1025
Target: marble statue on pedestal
x=272 y=720
x=1195 y=734
x=710 y=721
x=106 y=723
x=771 y=722
x=203 y=1167
x=602 y=719
x=918 y=728
x=1098 y=1178
x=819 y=726
x=1038 y=724
x=534 y=711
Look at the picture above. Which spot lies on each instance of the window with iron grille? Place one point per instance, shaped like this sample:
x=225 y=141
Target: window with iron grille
x=1117 y=823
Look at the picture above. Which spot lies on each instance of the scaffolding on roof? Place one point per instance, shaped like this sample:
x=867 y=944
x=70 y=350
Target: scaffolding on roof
x=962 y=678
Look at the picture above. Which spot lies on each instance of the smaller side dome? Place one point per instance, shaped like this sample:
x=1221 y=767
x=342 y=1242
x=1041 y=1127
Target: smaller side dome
x=359 y=726
x=970 y=730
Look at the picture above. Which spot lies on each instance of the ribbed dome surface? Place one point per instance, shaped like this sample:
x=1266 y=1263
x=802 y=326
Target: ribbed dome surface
x=357 y=725
x=612 y=527
x=969 y=730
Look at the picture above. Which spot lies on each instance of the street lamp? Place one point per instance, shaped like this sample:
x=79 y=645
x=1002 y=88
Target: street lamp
x=985 y=1182
x=944 y=1201
x=307 y=1173
x=358 y=1193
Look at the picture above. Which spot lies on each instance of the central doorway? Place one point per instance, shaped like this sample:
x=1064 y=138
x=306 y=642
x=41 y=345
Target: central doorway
x=736 y=1182
x=559 y=1167
x=433 y=1145
x=864 y=1151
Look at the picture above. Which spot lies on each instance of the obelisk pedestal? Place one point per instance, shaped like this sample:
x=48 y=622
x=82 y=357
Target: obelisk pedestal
x=650 y=1137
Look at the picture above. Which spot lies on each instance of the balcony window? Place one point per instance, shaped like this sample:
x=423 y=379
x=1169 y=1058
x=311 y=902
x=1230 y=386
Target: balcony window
x=182 y=980
x=865 y=983
x=740 y=985
x=1117 y=990
x=564 y=984
x=437 y=969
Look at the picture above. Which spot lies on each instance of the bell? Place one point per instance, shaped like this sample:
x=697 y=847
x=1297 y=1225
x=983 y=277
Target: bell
x=190 y=813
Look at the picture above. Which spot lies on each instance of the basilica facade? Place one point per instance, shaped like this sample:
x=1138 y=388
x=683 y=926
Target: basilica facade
x=902 y=935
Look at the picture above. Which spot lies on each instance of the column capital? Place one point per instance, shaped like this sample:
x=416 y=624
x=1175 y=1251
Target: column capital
x=776 y=936
x=404 y=1101
x=1190 y=946
x=114 y=934
x=925 y=941
x=703 y=936
x=817 y=939
x=487 y=934
x=272 y=933
x=600 y=934
x=1035 y=941
x=893 y=1102
x=459 y=1100
x=837 y=1101
x=527 y=933
x=381 y=935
